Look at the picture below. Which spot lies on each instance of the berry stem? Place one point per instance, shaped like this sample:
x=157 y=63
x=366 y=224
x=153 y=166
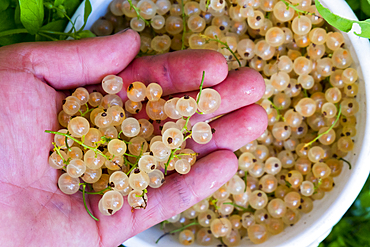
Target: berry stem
x=142 y=195
x=66 y=141
x=184 y=25
x=327 y=131
x=176 y=230
x=289 y=185
x=278 y=110
x=207 y=4
x=97 y=151
x=201 y=86
x=245 y=181
x=187 y=137
x=132 y=6
x=169 y=159
x=137 y=159
x=346 y=161
x=57 y=149
x=236 y=205
x=225 y=46
x=131 y=155
x=177 y=155
x=48 y=36
x=185 y=128
x=84 y=199
x=305 y=93
x=118 y=136
x=101 y=192
x=214 y=203
x=87 y=110
x=295 y=8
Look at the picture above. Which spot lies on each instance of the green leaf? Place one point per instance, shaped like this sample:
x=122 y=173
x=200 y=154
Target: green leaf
x=4 y=4
x=87 y=13
x=32 y=14
x=58 y=25
x=341 y=23
x=58 y=2
x=354 y=4
x=334 y=20
x=7 y=23
x=17 y=16
x=85 y=34
x=71 y=6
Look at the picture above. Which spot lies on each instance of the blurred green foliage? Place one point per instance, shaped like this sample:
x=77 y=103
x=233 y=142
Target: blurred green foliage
x=353 y=230
x=361 y=8
x=38 y=20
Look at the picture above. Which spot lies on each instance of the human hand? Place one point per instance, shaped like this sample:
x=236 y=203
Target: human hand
x=34 y=212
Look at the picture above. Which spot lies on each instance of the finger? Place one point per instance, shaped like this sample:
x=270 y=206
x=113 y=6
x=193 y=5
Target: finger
x=242 y=87
x=179 y=71
x=69 y=64
x=233 y=130
x=182 y=191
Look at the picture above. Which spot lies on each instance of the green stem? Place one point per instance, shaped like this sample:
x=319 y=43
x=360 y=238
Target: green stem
x=277 y=109
x=138 y=12
x=236 y=205
x=187 y=137
x=177 y=230
x=142 y=194
x=305 y=93
x=87 y=110
x=77 y=141
x=97 y=192
x=47 y=36
x=177 y=155
x=131 y=155
x=66 y=141
x=13 y=31
x=73 y=25
x=348 y=163
x=185 y=128
x=327 y=131
x=207 y=3
x=289 y=185
x=54 y=32
x=57 y=149
x=84 y=200
x=169 y=159
x=201 y=87
x=132 y=168
x=226 y=46
x=295 y=8
x=184 y=25
x=245 y=181
x=137 y=159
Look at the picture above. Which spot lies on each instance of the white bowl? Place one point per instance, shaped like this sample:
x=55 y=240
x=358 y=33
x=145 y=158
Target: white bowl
x=315 y=226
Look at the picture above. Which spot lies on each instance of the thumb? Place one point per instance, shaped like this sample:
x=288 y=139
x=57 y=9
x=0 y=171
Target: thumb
x=72 y=63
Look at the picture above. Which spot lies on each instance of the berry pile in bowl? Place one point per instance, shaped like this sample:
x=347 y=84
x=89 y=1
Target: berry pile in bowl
x=299 y=177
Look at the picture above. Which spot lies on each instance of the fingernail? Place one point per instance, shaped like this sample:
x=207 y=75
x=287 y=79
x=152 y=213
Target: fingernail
x=124 y=30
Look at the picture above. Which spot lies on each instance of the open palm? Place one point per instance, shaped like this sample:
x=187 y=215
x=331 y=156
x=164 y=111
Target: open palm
x=33 y=81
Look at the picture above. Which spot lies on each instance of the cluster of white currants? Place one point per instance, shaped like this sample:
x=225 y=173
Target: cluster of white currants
x=120 y=155
x=310 y=100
